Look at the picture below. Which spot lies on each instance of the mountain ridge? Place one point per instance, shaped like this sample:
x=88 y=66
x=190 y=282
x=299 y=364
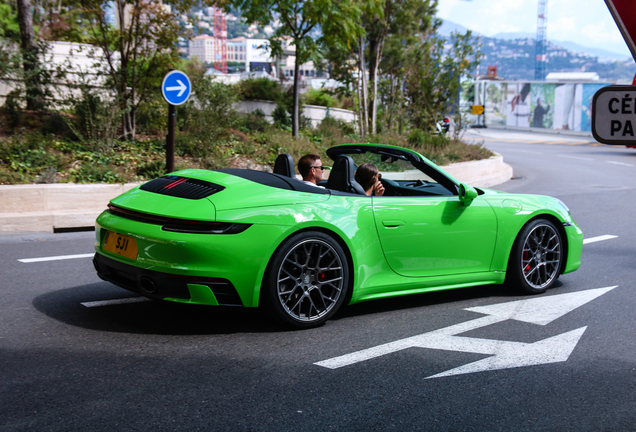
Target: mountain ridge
x=448 y=27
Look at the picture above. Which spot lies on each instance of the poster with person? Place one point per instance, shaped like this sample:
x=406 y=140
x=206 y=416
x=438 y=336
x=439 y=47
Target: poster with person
x=542 y=105
x=567 y=106
x=518 y=104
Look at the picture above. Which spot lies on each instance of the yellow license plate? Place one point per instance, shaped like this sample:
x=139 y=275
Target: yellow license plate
x=121 y=245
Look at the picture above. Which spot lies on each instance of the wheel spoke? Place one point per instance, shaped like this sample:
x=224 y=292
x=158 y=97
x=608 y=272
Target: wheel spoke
x=541 y=256
x=317 y=273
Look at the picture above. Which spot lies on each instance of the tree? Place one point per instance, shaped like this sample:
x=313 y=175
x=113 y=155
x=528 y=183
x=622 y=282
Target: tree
x=433 y=76
x=395 y=31
x=30 y=52
x=138 y=51
x=338 y=21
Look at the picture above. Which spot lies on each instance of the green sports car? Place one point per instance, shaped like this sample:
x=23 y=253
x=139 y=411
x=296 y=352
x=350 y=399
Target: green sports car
x=237 y=237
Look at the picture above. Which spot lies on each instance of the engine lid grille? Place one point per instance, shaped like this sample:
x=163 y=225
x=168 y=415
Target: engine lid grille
x=182 y=187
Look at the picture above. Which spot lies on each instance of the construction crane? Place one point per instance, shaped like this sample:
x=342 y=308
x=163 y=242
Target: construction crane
x=220 y=40
x=541 y=43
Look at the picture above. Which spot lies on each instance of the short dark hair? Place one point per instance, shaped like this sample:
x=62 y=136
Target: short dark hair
x=364 y=175
x=305 y=163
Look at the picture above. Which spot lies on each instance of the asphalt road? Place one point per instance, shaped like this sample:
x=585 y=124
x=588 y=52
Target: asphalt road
x=69 y=364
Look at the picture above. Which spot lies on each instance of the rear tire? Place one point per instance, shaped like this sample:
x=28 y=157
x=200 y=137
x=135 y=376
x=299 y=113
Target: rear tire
x=536 y=257
x=307 y=280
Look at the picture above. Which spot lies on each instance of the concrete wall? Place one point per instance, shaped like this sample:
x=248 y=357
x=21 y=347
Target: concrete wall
x=48 y=207
x=315 y=113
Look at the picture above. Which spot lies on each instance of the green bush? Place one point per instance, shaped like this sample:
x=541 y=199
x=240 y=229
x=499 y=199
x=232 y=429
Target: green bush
x=280 y=116
x=152 y=117
x=417 y=137
x=152 y=169
x=94 y=173
x=12 y=108
x=319 y=97
x=254 y=121
x=261 y=89
x=29 y=155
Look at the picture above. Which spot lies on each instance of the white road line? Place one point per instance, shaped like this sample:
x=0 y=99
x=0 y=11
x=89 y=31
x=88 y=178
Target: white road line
x=620 y=163
x=55 y=258
x=115 y=302
x=598 y=239
x=576 y=157
x=525 y=151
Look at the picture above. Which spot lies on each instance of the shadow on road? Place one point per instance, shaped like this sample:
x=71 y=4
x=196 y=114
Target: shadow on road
x=166 y=318
x=147 y=317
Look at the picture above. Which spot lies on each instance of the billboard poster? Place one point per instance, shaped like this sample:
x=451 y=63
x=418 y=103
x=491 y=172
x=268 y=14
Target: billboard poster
x=518 y=104
x=495 y=107
x=567 y=106
x=542 y=105
x=588 y=92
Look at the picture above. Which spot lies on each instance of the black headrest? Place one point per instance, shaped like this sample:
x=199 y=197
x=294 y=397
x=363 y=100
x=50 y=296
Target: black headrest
x=284 y=165
x=341 y=177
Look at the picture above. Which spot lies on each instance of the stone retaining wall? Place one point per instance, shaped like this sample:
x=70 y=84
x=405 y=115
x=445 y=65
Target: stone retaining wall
x=51 y=207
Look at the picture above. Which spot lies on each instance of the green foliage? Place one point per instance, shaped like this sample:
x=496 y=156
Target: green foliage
x=338 y=21
x=208 y=116
x=433 y=76
x=319 y=97
x=416 y=137
x=280 y=116
x=29 y=155
x=152 y=169
x=330 y=124
x=261 y=89
x=254 y=121
x=90 y=173
x=9 y=28
x=12 y=108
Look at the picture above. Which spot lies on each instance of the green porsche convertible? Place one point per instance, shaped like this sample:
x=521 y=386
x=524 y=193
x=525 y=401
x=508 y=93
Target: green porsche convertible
x=245 y=238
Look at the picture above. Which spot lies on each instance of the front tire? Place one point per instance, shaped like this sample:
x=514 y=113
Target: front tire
x=307 y=280
x=536 y=257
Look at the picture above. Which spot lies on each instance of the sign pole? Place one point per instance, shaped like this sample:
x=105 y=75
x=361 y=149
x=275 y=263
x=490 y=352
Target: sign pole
x=175 y=89
x=172 y=121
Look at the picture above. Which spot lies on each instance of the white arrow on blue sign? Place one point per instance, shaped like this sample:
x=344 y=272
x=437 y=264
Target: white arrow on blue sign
x=176 y=87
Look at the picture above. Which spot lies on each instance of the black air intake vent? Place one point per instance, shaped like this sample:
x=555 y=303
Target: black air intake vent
x=182 y=187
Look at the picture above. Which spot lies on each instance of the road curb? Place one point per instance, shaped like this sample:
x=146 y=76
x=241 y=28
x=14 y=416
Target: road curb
x=68 y=206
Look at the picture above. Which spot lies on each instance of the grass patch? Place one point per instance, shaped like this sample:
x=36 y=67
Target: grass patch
x=35 y=154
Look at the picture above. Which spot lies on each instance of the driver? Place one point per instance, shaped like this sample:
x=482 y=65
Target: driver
x=369 y=178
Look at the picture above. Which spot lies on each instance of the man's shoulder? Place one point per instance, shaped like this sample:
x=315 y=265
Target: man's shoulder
x=312 y=184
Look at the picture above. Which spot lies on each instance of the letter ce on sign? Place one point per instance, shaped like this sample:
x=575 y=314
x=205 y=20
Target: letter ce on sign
x=614 y=115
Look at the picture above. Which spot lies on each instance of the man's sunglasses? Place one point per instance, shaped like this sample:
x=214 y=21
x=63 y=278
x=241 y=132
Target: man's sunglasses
x=319 y=167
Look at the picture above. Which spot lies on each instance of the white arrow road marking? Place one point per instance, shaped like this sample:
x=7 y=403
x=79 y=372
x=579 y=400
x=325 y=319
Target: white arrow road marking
x=505 y=354
x=181 y=87
x=115 y=302
x=599 y=238
x=56 y=258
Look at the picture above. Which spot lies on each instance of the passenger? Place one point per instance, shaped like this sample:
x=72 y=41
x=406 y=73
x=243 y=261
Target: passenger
x=369 y=178
x=310 y=168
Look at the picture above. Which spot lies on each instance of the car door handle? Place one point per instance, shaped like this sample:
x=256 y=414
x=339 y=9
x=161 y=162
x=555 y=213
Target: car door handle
x=393 y=223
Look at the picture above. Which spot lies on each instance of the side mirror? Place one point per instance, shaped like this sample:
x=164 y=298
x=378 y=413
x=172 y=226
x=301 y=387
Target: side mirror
x=467 y=194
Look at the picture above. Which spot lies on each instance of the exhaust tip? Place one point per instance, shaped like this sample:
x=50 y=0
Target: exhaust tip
x=147 y=285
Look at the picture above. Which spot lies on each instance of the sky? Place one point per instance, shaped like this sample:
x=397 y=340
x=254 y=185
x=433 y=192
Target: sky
x=586 y=22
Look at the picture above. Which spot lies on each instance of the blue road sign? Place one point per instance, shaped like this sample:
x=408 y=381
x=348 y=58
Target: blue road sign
x=176 y=87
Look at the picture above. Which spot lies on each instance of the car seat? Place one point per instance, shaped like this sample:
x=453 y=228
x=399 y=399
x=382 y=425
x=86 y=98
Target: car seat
x=342 y=177
x=284 y=165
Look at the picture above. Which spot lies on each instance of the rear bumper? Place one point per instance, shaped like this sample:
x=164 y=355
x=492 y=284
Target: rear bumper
x=166 y=286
